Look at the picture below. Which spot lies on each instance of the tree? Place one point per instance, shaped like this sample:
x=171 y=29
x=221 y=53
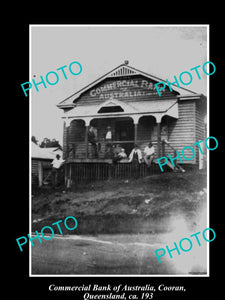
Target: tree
x=47 y=143
x=34 y=140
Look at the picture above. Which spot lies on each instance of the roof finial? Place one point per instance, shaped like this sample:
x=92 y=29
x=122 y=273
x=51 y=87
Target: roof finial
x=126 y=62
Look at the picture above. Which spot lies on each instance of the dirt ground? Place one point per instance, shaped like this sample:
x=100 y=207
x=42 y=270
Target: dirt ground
x=145 y=205
x=121 y=224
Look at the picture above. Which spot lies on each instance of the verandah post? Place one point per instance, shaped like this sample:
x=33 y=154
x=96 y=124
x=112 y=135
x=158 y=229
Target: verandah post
x=87 y=124
x=135 y=119
x=135 y=133
x=158 y=139
x=86 y=141
x=66 y=149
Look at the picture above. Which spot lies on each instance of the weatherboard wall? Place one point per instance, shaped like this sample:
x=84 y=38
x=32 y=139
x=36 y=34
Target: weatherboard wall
x=181 y=131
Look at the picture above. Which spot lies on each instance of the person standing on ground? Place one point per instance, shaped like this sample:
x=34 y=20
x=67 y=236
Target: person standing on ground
x=135 y=158
x=56 y=165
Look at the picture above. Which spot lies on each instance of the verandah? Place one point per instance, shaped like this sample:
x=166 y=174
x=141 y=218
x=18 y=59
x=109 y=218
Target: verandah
x=124 y=131
x=83 y=165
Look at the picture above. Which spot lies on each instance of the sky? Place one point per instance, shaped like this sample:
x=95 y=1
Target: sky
x=162 y=51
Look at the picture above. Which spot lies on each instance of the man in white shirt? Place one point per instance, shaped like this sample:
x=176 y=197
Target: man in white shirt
x=56 y=164
x=108 y=135
x=149 y=152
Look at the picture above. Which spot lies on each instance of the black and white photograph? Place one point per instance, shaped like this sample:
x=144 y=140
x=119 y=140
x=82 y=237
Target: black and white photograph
x=115 y=176
x=119 y=150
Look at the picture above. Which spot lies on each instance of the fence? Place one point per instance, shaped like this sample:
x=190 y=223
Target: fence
x=85 y=172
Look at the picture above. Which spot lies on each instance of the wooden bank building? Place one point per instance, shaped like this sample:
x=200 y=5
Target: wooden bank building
x=123 y=108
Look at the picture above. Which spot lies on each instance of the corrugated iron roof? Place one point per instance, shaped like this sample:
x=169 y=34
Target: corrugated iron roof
x=135 y=107
x=43 y=153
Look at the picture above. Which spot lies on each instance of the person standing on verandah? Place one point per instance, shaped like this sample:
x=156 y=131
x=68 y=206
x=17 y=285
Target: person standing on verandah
x=108 y=136
x=92 y=138
x=135 y=158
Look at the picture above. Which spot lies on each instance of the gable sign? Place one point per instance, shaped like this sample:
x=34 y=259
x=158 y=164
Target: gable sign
x=128 y=88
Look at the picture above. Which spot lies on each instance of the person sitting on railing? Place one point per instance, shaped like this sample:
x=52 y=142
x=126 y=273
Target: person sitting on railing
x=149 y=152
x=119 y=156
x=117 y=149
